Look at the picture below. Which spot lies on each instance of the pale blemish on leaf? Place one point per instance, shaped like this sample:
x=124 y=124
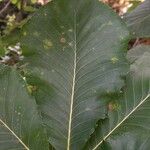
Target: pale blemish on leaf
x=53 y=70
x=64 y=48
x=36 y=34
x=24 y=78
x=87 y=109
x=62 y=27
x=19 y=113
x=110 y=23
x=42 y=73
x=62 y=40
x=70 y=44
x=121 y=37
x=47 y=43
x=24 y=33
x=133 y=33
x=94 y=91
x=121 y=91
x=103 y=68
x=114 y=60
x=70 y=30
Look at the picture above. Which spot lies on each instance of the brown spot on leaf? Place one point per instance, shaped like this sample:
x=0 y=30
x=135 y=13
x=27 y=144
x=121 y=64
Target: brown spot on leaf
x=112 y=106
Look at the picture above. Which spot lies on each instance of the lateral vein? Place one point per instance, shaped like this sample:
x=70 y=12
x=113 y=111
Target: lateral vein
x=142 y=101
x=14 y=134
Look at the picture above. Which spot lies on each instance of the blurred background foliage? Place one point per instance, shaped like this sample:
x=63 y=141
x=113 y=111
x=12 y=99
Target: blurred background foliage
x=14 y=13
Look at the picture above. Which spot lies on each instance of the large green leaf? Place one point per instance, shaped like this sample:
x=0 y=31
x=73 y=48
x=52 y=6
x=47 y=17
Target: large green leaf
x=75 y=51
x=20 y=125
x=128 y=123
x=138 y=20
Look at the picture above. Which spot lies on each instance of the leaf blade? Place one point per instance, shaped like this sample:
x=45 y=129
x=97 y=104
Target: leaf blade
x=21 y=130
x=69 y=59
x=127 y=116
x=138 y=20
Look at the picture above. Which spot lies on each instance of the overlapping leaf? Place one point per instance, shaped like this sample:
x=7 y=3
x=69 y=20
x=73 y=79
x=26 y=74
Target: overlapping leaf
x=138 y=20
x=20 y=124
x=75 y=51
x=140 y=55
x=128 y=123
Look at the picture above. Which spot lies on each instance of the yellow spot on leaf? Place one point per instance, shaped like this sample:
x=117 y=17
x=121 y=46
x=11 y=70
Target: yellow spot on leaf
x=47 y=44
x=31 y=88
x=114 y=60
x=24 y=33
x=113 y=106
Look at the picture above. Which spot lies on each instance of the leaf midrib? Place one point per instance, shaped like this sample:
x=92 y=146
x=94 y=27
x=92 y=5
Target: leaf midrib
x=73 y=84
x=14 y=134
x=121 y=122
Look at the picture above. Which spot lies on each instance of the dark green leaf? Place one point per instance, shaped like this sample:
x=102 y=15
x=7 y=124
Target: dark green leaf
x=138 y=20
x=140 y=59
x=20 y=125
x=76 y=50
x=128 y=123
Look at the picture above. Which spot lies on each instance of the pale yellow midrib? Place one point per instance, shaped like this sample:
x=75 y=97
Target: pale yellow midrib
x=14 y=134
x=142 y=101
x=71 y=104
x=73 y=84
